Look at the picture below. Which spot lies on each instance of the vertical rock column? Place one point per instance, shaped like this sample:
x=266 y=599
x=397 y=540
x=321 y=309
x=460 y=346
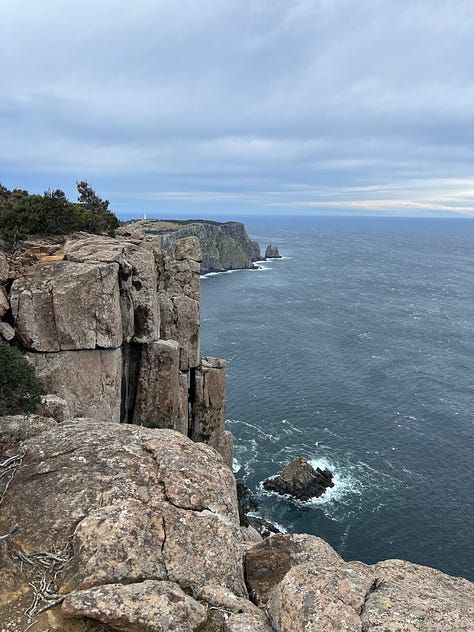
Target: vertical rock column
x=208 y=407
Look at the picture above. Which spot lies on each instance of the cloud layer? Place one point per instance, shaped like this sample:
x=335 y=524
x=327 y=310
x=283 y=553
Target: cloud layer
x=246 y=106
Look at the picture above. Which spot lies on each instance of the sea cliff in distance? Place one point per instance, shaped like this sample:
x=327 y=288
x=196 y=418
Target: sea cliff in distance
x=224 y=245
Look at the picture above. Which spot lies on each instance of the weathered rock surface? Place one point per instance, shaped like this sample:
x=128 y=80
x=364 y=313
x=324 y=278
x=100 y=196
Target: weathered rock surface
x=267 y=563
x=7 y=332
x=55 y=407
x=208 y=409
x=65 y=305
x=306 y=587
x=4 y=268
x=301 y=480
x=149 y=606
x=158 y=395
x=272 y=252
x=4 y=304
x=127 y=506
x=89 y=381
x=138 y=281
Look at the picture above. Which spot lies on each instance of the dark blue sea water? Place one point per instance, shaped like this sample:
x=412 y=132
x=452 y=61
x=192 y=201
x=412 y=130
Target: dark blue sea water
x=356 y=350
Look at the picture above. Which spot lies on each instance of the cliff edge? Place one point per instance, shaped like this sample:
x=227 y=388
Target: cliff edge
x=224 y=245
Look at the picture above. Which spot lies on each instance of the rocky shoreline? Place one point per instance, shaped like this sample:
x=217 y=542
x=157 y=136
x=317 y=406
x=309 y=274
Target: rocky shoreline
x=118 y=507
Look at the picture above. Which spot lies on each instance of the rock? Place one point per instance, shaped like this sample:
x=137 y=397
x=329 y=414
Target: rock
x=247 y=622
x=128 y=505
x=7 y=332
x=149 y=606
x=4 y=304
x=224 y=246
x=267 y=563
x=188 y=248
x=158 y=394
x=17 y=428
x=410 y=597
x=272 y=252
x=301 y=480
x=89 y=381
x=239 y=615
x=137 y=280
x=208 y=407
x=66 y=305
x=311 y=598
x=55 y=407
x=4 y=267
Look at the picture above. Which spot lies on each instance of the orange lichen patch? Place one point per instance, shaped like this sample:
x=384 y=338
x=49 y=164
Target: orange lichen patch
x=46 y=258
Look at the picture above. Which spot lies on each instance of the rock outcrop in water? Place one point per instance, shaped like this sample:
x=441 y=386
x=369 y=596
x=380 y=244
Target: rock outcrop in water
x=300 y=480
x=224 y=245
x=272 y=252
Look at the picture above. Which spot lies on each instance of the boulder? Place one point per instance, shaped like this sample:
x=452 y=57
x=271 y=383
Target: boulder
x=89 y=381
x=133 y=521
x=158 y=388
x=305 y=586
x=149 y=606
x=272 y=252
x=6 y=331
x=65 y=305
x=4 y=267
x=301 y=480
x=137 y=280
x=267 y=563
x=4 y=304
x=55 y=407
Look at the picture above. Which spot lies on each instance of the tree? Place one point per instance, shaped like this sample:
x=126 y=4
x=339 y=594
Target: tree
x=20 y=389
x=101 y=218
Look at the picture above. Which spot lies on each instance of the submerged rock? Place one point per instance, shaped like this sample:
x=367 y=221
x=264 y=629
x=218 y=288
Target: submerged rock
x=272 y=252
x=301 y=480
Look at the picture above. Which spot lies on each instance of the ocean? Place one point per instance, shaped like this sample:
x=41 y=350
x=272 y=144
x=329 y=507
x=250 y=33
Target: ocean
x=355 y=350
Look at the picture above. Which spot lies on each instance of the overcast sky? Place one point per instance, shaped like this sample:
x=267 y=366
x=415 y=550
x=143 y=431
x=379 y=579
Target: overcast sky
x=242 y=106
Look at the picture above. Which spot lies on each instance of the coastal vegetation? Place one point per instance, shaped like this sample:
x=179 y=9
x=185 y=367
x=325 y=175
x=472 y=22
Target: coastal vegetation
x=20 y=389
x=23 y=214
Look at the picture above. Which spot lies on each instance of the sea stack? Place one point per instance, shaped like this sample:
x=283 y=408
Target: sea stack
x=301 y=480
x=272 y=252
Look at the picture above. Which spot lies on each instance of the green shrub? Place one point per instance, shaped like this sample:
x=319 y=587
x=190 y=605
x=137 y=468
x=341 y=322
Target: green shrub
x=20 y=389
x=22 y=214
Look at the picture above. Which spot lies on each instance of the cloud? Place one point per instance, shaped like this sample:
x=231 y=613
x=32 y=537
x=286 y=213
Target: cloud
x=243 y=101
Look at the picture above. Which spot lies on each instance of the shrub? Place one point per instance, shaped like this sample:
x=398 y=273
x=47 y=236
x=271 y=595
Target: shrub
x=20 y=389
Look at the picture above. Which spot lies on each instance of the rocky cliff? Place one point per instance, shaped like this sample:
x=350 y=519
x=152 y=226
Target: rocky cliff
x=116 y=527
x=133 y=526
x=112 y=327
x=224 y=245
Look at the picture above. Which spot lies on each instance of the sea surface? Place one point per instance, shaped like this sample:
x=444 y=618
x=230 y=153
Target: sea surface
x=355 y=350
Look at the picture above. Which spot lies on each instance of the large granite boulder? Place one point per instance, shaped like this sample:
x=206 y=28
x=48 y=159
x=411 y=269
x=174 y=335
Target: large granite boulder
x=64 y=305
x=4 y=303
x=300 y=480
x=306 y=587
x=137 y=280
x=124 y=523
x=89 y=381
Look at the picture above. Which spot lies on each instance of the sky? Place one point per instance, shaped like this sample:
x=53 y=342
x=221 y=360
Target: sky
x=234 y=107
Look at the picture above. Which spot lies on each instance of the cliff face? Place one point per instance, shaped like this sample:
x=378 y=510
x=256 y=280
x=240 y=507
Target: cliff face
x=224 y=246
x=112 y=327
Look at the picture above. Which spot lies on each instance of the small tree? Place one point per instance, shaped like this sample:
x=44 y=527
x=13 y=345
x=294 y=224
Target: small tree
x=20 y=389
x=101 y=218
